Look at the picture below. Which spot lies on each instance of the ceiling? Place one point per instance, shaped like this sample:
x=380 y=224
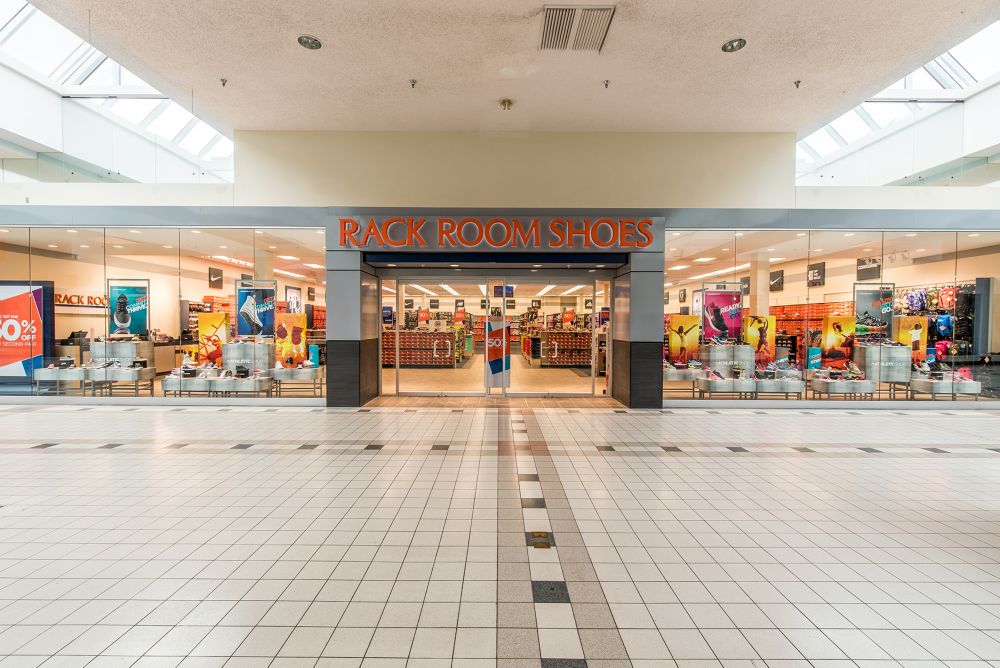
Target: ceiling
x=662 y=59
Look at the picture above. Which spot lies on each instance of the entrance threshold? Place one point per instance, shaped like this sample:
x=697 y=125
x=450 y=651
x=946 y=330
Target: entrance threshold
x=832 y=405
x=481 y=401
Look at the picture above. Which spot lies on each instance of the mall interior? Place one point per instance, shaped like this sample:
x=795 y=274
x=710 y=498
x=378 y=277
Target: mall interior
x=499 y=334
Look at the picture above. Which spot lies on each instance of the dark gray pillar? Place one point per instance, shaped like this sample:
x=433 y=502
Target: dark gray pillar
x=352 y=355
x=637 y=343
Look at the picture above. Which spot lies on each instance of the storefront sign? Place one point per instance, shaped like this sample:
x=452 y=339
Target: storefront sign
x=435 y=303
x=869 y=268
x=85 y=301
x=214 y=278
x=816 y=275
x=459 y=303
x=682 y=295
x=777 y=281
x=745 y=285
x=569 y=233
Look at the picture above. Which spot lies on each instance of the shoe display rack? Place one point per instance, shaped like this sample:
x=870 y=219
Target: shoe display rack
x=424 y=349
x=293 y=381
x=218 y=386
x=250 y=355
x=566 y=348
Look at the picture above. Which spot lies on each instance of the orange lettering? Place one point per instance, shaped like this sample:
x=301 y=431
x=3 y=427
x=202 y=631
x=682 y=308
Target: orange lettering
x=579 y=232
x=348 y=231
x=446 y=231
x=389 y=222
x=529 y=238
x=413 y=231
x=508 y=232
x=627 y=233
x=596 y=238
x=478 y=239
x=645 y=232
x=372 y=230
x=557 y=227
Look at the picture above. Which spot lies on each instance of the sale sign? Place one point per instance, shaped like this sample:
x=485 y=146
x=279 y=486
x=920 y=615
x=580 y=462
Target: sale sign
x=26 y=322
x=497 y=353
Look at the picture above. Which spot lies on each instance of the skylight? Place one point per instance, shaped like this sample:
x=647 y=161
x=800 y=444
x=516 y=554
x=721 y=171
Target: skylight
x=955 y=74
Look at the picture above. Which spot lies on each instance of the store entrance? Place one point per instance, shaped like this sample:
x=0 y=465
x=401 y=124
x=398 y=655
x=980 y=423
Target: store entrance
x=496 y=336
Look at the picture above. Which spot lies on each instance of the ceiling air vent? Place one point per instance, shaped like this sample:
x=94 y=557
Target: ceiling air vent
x=580 y=28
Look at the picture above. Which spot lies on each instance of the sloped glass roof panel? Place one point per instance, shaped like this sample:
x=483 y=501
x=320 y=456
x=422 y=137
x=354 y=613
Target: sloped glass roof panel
x=170 y=122
x=134 y=111
x=8 y=8
x=222 y=149
x=886 y=113
x=821 y=142
x=41 y=43
x=851 y=127
x=980 y=54
x=197 y=138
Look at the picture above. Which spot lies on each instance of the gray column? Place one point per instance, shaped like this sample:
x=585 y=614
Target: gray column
x=637 y=324
x=352 y=355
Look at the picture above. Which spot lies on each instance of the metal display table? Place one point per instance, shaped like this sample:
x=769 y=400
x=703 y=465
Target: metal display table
x=884 y=364
x=102 y=381
x=672 y=374
x=845 y=389
x=948 y=387
x=751 y=389
x=309 y=379
x=217 y=386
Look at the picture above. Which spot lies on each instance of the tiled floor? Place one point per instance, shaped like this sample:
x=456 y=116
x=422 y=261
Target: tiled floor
x=552 y=537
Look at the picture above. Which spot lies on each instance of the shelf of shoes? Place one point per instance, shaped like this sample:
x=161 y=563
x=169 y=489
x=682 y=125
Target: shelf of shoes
x=421 y=349
x=566 y=348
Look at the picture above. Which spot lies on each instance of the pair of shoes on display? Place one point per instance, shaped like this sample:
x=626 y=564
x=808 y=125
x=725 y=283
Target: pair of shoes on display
x=922 y=368
x=307 y=364
x=963 y=374
x=694 y=364
x=719 y=341
x=739 y=373
x=279 y=365
x=715 y=375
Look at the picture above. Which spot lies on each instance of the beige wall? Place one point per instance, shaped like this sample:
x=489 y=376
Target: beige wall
x=599 y=170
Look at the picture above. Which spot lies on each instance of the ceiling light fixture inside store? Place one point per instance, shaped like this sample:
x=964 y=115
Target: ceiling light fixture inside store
x=447 y=288
x=423 y=289
x=53 y=246
x=482 y=288
x=117 y=246
x=223 y=247
x=287 y=257
x=866 y=250
x=545 y=290
x=976 y=234
x=84 y=246
x=912 y=234
x=801 y=234
x=678 y=267
x=570 y=291
x=849 y=234
x=195 y=231
x=258 y=231
x=234 y=261
x=817 y=250
x=920 y=250
x=776 y=259
x=390 y=265
x=719 y=272
x=704 y=259
x=135 y=231
x=676 y=234
x=770 y=250
x=71 y=231
x=536 y=265
x=288 y=273
x=310 y=42
x=733 y=45
x=312 y=265
x=452 y=265
x=386 y=288
x=166 y=246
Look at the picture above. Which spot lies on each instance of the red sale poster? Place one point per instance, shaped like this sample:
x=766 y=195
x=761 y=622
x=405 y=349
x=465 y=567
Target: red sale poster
x=26 y=326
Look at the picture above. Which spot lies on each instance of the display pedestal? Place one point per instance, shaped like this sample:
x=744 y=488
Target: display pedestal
x=947 y=387
x=845 y=389
x=724 y=358
x=884 y=364
x=310 y=379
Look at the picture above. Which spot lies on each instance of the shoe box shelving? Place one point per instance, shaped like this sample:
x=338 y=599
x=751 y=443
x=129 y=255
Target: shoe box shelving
x=423 y=349
x=567 y=348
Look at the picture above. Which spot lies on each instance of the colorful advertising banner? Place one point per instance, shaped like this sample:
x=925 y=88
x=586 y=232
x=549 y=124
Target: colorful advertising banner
x=497 y=353
x=838 y=340
x=290 y=338
x=682 y=338
x=459 y=318
x=27 y=323
x=128 y=307
x=255 y=302
x=723 y=313
x=911 y=330
x=760 y=333
x=423 y=316
x=387 y=315
x=873 y=310
x=568 y=316
x=213 y=331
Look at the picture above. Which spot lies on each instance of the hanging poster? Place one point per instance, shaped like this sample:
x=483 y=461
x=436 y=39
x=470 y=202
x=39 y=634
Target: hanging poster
x=777 y=280
x=293 y=296
x=27 y=327
x=255 y=301
x=423 y=316
x=408 y=303
x=128 y=306
x=838 y=340
x=214 y=278
x=683 y=332
x=568 y=316
x=816 y=274
x=869 y=268
x=745 y=285
x=497 y=353
x=911 y=331
x=387 y=315
x=873 y=310
x=290 y=338
x=435 y=304
x=760 y=334
x=459 y=318
x=459 y=303
x=682 y=295
x=723 y=313
x=311 y=294
x=213 y=332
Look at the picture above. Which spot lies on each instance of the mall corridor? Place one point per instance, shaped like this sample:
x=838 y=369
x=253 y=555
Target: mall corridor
x=552 y=537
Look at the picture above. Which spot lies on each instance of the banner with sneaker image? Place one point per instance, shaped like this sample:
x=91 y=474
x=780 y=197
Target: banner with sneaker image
x=290 y=339
x=255 y=301
x=128 y=307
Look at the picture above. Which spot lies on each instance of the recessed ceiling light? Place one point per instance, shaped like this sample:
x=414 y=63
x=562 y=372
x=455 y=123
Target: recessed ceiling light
x=571 y=290
x=600 y=266
x=725 y=249
x=447 y=288
x=223 y=246
x=738 y=234
x=912 y=234
x=678 y=267
x=676 y=234
x=312 y=265
x=733 y=45
x=117 y=246
x=920 y=250
x=310 y=42
x=320 y=231
x=390 y=265
x=776 y=259
x=271 y=247
x=195 y=231
x=386 y=288
x=673 y=249
x=135 y=231
x=533 y=270
x=287 y=257
x=975 y=234
x=71 y=231
x=770 y=250
x=288 y=273
x=866 y=250
x=816 y=250
x=667 y=285
x=53 y=246
x=452 y=265
x=423 y=289
x=704 y=259
x=4 y=230
x=536 y=265
x=849 y=234
x=258 y=231
x=543 y=291
x=166 y=246
x=801 y=234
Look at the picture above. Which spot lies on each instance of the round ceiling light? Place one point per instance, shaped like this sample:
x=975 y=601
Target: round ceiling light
x=731 y=46
x=310 y=42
